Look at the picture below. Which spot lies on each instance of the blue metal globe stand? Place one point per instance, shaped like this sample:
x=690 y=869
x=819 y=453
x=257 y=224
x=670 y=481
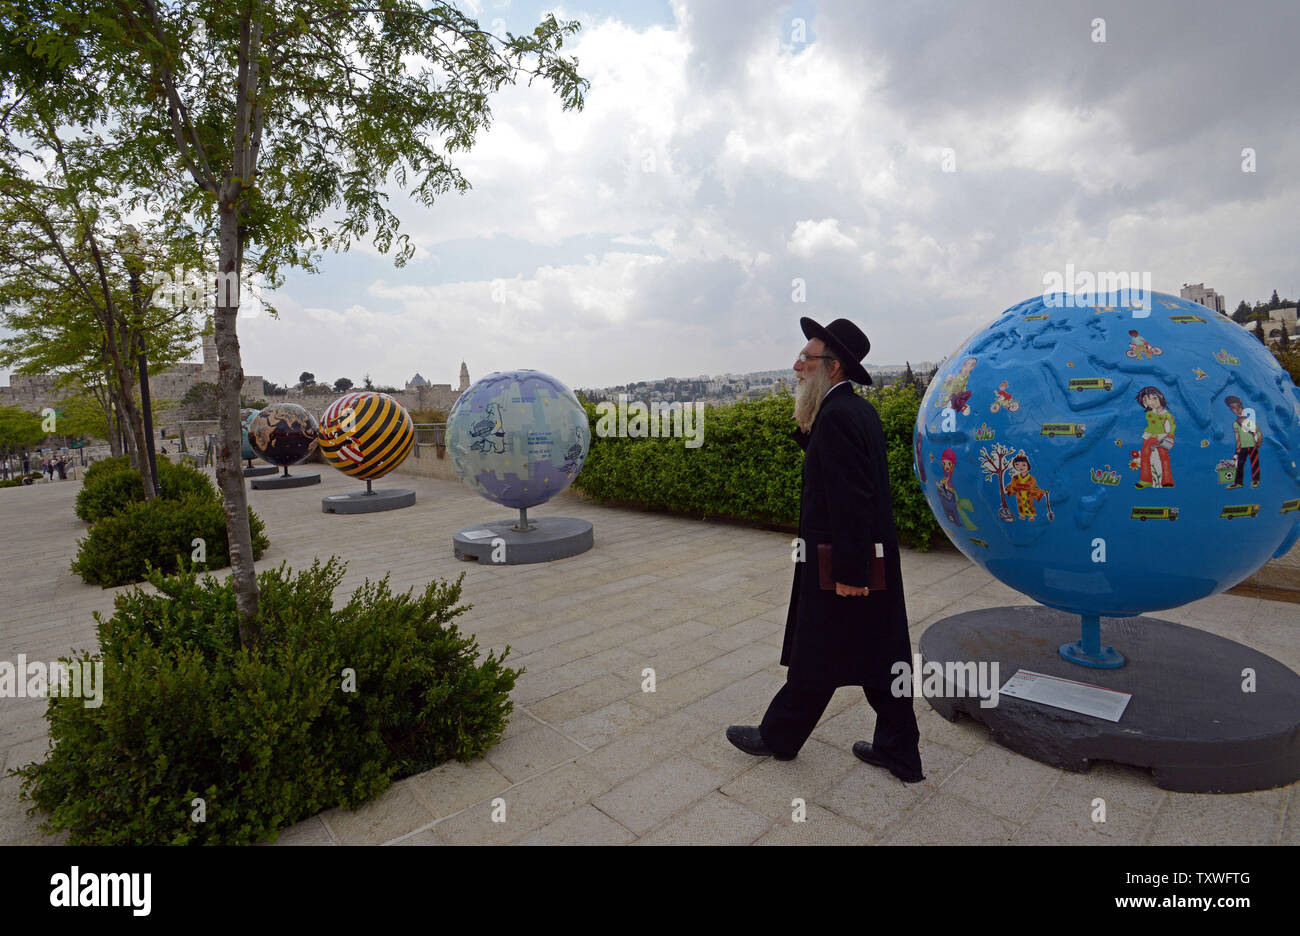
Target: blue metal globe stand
x=1088 y=651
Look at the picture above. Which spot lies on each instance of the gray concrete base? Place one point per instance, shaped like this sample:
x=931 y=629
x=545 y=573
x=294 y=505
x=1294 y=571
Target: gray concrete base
x=357 y=502
x=258 y=471
x=550 y=538
x=1189 y=720
x=284 y=481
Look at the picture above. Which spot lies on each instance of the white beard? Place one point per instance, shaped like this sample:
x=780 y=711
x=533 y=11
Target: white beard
x=808 y=395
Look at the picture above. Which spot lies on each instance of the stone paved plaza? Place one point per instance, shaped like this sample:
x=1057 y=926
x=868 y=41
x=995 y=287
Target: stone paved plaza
x=589 y=757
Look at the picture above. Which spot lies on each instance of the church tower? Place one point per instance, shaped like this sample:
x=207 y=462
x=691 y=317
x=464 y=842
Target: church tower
x=464 y=377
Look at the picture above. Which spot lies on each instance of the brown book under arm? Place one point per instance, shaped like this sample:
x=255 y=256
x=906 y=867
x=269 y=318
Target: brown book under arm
x=826 y=579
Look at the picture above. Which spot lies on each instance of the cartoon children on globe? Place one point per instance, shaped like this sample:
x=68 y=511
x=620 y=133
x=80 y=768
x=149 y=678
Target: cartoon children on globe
x=1247 y=436
x=1140 y=348
x=948 y=496
x=954 y=392
x=1003 y=399
x=1153 y=460
x=1027 y=490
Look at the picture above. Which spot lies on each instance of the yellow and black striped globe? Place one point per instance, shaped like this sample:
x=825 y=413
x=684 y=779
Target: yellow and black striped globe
x=366 y=435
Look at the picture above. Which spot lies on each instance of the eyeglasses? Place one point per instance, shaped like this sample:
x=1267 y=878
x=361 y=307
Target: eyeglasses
x=803 y=358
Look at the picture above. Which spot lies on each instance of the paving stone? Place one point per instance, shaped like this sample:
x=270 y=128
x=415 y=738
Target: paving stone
x=770 y=786
x=1209 y=819
x=605 y=724
x=581 y=700
x=870 y=797
x=820 y=827
x=308 y=832
x=530 y=753
x=714 y=820
x=1002 y=782
x=649 y=797
x=641 y=749
x=397 y=811
x=452 y=786
x=586 y=825
x=529 y=806
x=949 y=820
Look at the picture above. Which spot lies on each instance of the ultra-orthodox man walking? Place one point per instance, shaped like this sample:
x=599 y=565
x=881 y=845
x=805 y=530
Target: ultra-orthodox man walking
x=847 y=623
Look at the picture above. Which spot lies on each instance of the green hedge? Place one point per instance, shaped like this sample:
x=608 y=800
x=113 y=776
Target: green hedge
x=104 y=466
x=265 y=736
x=107 y=491
x=748 y=467
x=160 y=533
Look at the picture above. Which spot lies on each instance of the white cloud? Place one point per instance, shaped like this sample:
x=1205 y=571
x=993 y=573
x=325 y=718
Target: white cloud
x=812 y=237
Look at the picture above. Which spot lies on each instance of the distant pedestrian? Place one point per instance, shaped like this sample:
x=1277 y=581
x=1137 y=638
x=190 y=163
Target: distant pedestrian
x=63 y=469
x=27 y=464
x=6 y=470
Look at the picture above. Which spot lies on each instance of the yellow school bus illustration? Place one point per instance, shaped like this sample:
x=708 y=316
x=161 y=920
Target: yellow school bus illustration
x=1052 y=430
x=1291 y=505
x=1186 y=319
x=1090 y=383
x=1155 y=513
x=1239 y=510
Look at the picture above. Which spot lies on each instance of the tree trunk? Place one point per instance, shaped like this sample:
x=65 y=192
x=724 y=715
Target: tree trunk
x=230 y=475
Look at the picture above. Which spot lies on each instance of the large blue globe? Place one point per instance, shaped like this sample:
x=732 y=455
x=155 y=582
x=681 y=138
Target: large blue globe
x=1113 y=458
x=518 y=437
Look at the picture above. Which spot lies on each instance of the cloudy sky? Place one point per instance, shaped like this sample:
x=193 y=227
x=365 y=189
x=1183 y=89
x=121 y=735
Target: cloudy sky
x=729 y=149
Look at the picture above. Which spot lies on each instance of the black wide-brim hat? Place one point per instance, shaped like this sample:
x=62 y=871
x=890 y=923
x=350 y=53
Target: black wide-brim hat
x=847 y=342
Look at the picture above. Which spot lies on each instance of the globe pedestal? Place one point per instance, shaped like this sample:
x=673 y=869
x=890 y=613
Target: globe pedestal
x=285 y=480
x=1088 y=651
x=523 y=541
x=258 y=471
x=367 y=501
x=1190 y=720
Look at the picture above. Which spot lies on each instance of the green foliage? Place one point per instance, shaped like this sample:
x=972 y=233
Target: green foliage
x=748 y=467
x=1289 y=358
x=270 y=735
x=121 y=547
x=104 y=466
x=202 y=399
x=19 y=429
x=105 y=492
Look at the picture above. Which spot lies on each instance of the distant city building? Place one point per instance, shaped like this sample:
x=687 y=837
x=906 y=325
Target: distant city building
x=1272 y=325
x=1196 y=292
x=418 y=381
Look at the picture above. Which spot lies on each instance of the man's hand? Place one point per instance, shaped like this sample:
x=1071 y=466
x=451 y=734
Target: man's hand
x=850 y=591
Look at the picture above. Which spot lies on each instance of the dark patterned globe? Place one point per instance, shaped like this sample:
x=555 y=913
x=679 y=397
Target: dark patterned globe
x=283 y=434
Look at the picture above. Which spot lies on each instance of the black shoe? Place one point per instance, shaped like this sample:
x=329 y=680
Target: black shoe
x=750 y=740
x=864 y=752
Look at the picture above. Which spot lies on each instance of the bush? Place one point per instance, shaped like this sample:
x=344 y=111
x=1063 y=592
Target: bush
x=108 y=492
x=104 y=465
x=267 y=736
x=748 y=467
x=121 y=547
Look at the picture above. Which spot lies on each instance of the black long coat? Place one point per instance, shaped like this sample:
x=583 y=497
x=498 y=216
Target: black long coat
x=847 y=641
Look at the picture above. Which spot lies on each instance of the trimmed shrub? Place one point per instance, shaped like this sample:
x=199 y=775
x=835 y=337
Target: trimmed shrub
x=105 y=465
x=270 y=735
x=748 y=467
x=108 y=492
x=123 y=546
